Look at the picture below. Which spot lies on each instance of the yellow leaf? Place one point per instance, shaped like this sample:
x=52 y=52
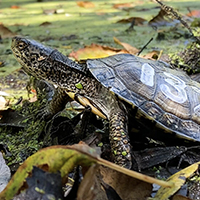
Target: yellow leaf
x=128 y=47
x=51 y=159
x=85 y=4
x=64 y=159
x=95 y=51
x=177 y=180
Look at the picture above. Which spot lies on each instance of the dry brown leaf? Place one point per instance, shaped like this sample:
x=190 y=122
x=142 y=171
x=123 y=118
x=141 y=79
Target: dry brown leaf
x=3 y=103
x=180 y=197
x=95 y=51
x=130 y=49
x=5 y=32
x=85 y=4
x=161 y=19
x=153 y=55
x=2 y=63
x=45 y=24
x=90 y=187
x=14 y=7
x=194 y=13
x=66 y=158
x=126 y=187
x=137 y=20
x=123 y=5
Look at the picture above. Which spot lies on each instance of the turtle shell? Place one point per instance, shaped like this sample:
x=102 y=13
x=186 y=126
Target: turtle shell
x=168 y=96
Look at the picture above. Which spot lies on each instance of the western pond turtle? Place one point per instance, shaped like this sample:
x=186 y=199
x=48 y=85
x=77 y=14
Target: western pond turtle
x=168 y=97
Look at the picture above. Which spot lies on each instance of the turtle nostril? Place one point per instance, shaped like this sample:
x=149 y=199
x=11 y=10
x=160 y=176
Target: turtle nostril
x=14 y=38
x=13 y=41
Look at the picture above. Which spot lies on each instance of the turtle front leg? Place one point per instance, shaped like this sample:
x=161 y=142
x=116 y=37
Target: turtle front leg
x=119 y=139
x=56 y=105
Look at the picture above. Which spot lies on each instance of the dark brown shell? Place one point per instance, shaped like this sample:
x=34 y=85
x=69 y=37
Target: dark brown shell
x=168 y=96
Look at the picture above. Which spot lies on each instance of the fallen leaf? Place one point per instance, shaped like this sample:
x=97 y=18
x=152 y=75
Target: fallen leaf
x=180 y=197
x=130 y=49
x=45 y=24
x=137 y=20
x=4 y=94
x=14 y=7
x=2 y=63
x=85 y=4
x=123 y=5
x=64 y=159
x=41 y=185
x=3 y=103
x=90 y=187
x=95 y=51
x=194 y=13
x=153 y=55
x=176 y=17
x=127 y=188
x=161 y=19
x=5 y=32
x=178 y=179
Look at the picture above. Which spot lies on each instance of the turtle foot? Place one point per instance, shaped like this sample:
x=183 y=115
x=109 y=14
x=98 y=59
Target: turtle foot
x=119 y=140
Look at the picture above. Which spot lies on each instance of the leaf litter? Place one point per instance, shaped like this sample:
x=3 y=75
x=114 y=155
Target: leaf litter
x=101 y=54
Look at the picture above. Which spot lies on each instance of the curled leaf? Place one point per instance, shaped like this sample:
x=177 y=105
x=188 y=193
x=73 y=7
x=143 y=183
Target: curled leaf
x=5 y=32
x=95 y=51
x=177 y=180
x=137 y=20
x=130 y=49
x=51 y=159
x=85 y=4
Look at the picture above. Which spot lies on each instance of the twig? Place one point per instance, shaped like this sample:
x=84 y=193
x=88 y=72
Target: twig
x=135 y=174
x=174 y=15
x=131 y=27
x=144 y=47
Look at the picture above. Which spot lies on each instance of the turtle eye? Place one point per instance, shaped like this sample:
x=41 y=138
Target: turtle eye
x=21 y=45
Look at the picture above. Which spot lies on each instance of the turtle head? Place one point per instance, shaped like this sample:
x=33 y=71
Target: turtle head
x=42 y=61
x=32 y=56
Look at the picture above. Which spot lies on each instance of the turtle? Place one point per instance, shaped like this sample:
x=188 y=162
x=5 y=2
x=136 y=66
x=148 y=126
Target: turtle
x=168 y=97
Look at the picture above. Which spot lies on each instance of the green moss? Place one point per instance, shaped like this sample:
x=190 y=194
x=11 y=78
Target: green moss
x=188 y=59
x=93 y=25
x=23 y=143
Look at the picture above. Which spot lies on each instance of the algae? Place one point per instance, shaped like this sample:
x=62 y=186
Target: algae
x=66 y=26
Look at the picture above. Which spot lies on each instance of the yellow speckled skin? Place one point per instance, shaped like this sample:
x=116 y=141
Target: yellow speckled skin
x=50 y=65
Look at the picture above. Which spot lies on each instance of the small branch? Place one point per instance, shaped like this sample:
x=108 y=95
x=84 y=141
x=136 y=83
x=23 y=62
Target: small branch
x=134 y=174
x=174 y=15
x=144 y=47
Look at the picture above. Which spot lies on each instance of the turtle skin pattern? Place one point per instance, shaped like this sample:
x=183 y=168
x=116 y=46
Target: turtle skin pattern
x=70 y=77
x=168 y=97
